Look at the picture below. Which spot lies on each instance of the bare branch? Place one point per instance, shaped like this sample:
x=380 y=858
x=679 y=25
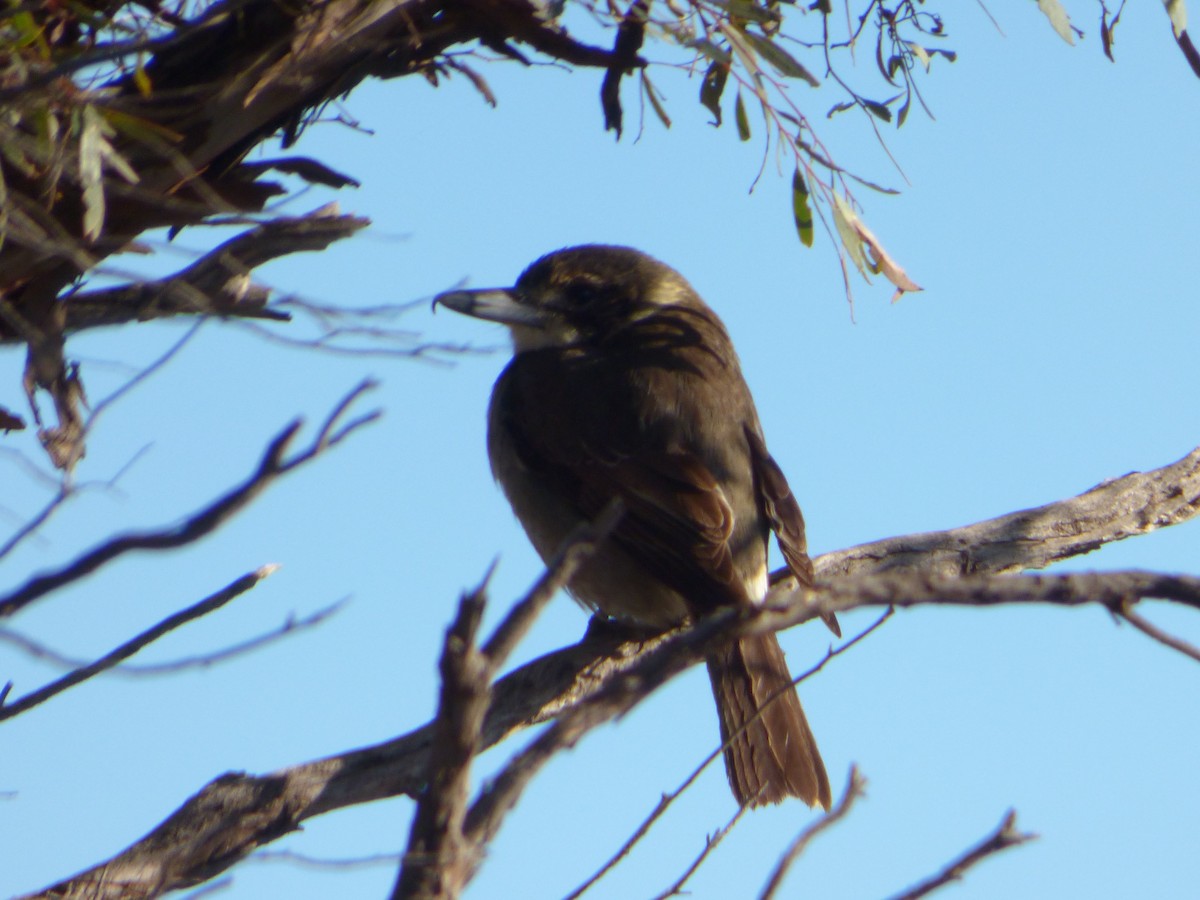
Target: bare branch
x=1153 y=631
x=235 y=814
x=710 y=844
x=201 y=661
x=667 y=799
x=436 y=862
x=1137 y=503
x=270 y=467
x=218 y=284
x=441 y=858
x=130 y=647
x=1004 y=837
x=854 y=790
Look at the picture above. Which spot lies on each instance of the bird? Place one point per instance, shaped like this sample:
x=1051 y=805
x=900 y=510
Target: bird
x=624 y=385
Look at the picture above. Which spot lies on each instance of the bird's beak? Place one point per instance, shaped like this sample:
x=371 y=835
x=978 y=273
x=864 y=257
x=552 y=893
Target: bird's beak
x=494 y=304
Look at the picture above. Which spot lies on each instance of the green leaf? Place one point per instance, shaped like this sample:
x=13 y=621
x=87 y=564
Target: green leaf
x=801 y=211
x=751 y=12
x=743 y=121
x=711 y=50
x=141 y=80
x=878 y=110
x=1059 y=20
x=784 y=62
x=712 y=87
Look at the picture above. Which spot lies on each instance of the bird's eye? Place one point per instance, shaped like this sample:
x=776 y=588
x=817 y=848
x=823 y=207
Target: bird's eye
x=584 y=294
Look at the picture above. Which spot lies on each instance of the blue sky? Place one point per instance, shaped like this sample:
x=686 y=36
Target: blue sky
x=1053 y=218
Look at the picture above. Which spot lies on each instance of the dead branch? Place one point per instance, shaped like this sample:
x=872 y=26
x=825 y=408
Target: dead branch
x=218 y=284
x=854 y=790
x=272 y=465
x=442 y=855
x=1137 y=503
x=237 y=813
x=1004 y=837
x=132 y=646
x=667 y=799
x=436 y=862
x=710 y=844
x=292 y=625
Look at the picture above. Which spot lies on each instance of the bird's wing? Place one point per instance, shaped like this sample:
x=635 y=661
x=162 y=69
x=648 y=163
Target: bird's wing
x=677 y=521
x=783 y=513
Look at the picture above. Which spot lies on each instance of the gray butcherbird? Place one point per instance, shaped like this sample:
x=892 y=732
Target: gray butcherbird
x=625 y=384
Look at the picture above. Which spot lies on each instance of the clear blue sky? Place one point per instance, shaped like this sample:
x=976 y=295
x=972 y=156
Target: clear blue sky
x=1053 y=218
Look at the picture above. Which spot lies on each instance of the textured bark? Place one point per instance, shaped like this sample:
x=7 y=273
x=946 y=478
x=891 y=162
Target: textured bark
x=583 y=684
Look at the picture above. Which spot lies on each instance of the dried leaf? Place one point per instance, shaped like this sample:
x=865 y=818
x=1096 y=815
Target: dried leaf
x=801 y=211
x=1059 y=20
x=920 y=53
x=743 y=121
x=96 y=154
x=866 y=251
x=652 y=95
x=843 y=220
x=1177 y=10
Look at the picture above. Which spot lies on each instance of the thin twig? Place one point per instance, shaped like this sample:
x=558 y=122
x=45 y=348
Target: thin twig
x=272 y=465
x=854 y=788
x=1004 y=837
x=667 y=799
x=1153 y=631
x=130 y=647
x=709 y=846
x=291 y=626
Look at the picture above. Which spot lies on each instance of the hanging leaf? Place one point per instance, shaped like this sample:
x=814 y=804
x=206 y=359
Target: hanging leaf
x=787 y=64
x=878 y=110
x=801 y=211
x=743 y=121
x=1059 y=20
x=843 y=220
x=920 y=53
x=866 y=251
x=655 y=103
x=712 y=87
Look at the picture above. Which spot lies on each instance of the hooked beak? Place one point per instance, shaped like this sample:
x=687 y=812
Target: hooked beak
x=493 y=304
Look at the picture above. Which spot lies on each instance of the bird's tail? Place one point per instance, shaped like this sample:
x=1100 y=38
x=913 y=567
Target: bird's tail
x=772 y=755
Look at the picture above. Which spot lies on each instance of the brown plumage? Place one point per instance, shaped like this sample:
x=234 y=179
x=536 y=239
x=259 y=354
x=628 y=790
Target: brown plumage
x=625 y=384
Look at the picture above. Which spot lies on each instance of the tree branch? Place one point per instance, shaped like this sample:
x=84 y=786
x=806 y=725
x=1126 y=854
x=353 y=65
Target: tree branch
x=217 y=284
x=854 y=790
x=1004 y=837
x=605 y=674
x=1137 y=503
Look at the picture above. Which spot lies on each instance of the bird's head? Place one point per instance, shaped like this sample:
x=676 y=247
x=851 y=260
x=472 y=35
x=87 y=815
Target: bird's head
x=576 y=295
